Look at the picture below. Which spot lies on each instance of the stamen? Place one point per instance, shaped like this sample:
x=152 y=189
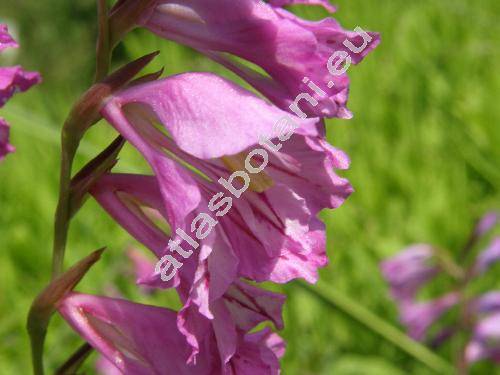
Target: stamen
x=259 y=182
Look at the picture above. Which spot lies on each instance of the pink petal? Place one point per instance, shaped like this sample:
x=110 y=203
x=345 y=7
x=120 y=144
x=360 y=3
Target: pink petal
x=485 y=343
x=486 y=223
x=250 y=305
x=489 y=256
x=5 y=147
x=409 y=270
x=419 y=316
x=201 y=112
x=137 y=339
x=6 y=41
x=142 y=340
x=324 y=3
x=105 y=367
x=286 y=47
x=15 y=79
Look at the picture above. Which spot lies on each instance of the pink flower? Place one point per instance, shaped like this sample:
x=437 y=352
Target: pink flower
x=5 y=147
x=6 y=41
x=12 y=79
x=207 y=274
x=409 y=270
x=241 y=308
x=15 y=79
x=269 y=233
x=140 y=339
x=489 y=256
x=419 y=316
x=485 y=343
x=487 y=303
x=486 y=223
x=300 y=57
x=482 y=227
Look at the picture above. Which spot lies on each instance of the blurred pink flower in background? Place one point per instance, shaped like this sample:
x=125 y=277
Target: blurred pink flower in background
x=416 y=265
x=485 y=343
x=6 y=40
x=407 y=271
x=488 y=256
x=486 y=223
x=487 y=303
x=5 y=146
x=15 y=79
x=12 y=80
x=419 y=316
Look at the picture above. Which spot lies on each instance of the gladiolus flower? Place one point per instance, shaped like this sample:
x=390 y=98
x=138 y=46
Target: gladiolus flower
x=6 y=41
x=486 y=223
x=15 y=79
x=241 y=308
x=12 y=79
x=305 y=61
x=5 y=147
x=409 y=270
x=413 y=267
x=140 y=339
x=203 y=278
x=489 y=256
x=485 y=343
x=271 y=233
x=488 y=303
x=417 y=317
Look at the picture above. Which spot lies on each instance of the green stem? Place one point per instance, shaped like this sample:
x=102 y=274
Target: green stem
x=461 y=360
x=465 y=322
x=37 y=353
x=70 y=140
x=448 y=265
x=103 y=51
x=379 y=326
x=75 y=361
x=63 y=217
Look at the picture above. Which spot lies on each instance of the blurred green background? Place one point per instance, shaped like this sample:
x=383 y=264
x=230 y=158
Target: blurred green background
x=425 y=156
